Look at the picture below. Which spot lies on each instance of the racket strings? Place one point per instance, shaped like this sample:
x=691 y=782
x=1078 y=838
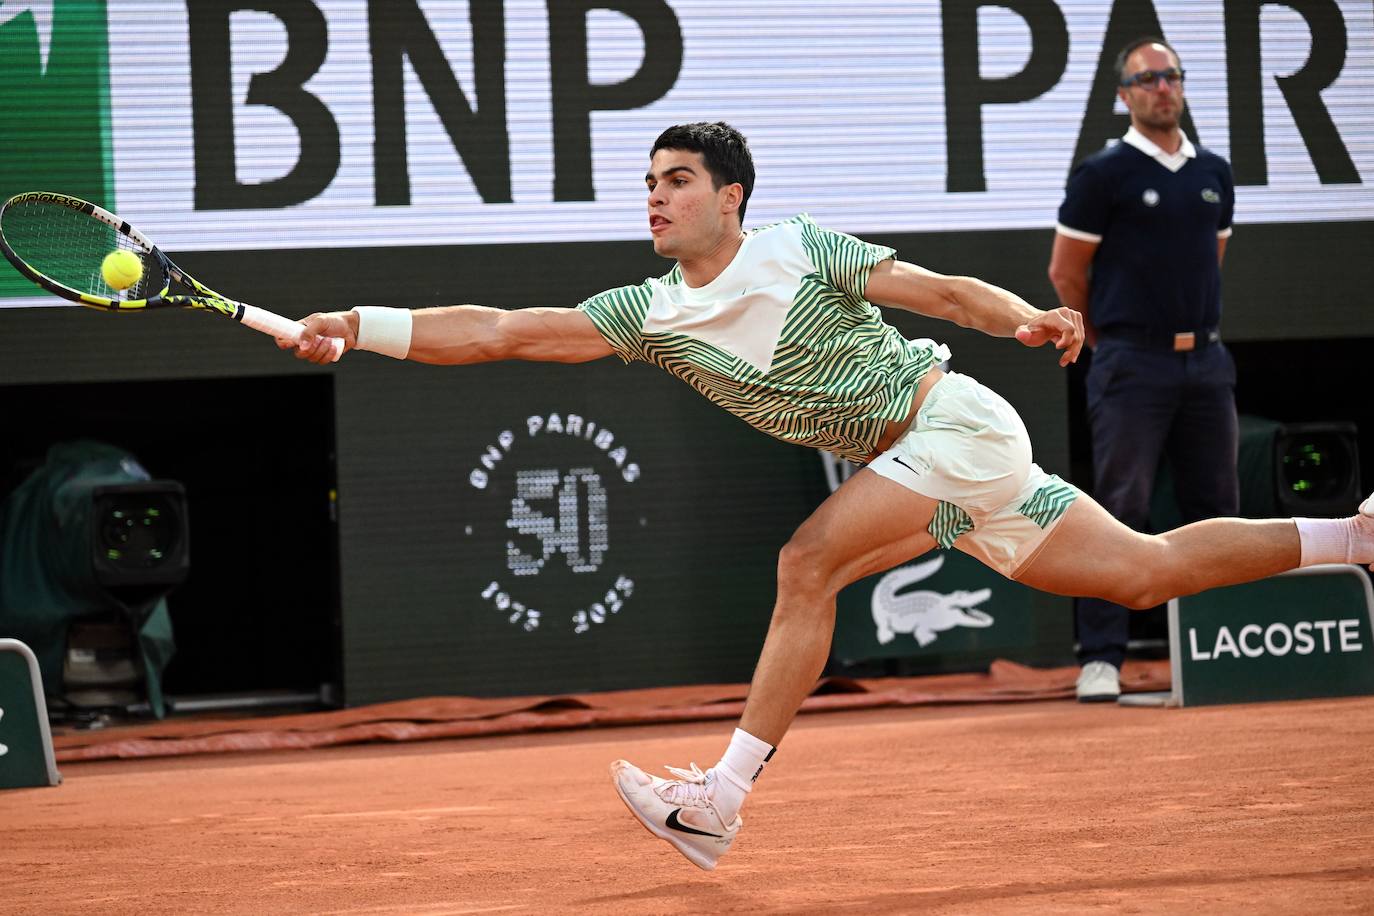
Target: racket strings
x=69 y=246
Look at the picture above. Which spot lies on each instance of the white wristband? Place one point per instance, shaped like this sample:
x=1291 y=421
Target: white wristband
x=384 y=330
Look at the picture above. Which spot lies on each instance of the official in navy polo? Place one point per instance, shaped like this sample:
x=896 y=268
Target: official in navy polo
x=1138 y=249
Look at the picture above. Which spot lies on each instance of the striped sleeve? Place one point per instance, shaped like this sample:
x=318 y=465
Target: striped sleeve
x=842 y=260
x=619 y=315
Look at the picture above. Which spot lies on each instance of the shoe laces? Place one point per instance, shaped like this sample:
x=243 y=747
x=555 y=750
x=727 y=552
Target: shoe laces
x=689 y=788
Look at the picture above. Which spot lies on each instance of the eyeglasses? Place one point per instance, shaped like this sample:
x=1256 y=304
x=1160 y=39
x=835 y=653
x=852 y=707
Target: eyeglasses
x=1148 y=79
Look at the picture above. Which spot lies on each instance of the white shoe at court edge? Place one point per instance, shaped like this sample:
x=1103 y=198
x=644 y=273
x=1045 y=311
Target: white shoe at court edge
x=1098 y=682
x=678 y=810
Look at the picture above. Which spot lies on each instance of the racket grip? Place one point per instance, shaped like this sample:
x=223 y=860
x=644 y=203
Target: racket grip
x=281 y=328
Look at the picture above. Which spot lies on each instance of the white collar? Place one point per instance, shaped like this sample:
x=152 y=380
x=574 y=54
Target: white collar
x=1171 y=161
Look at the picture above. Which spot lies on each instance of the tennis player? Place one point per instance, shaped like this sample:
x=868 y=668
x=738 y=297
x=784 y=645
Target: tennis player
x=778 y=325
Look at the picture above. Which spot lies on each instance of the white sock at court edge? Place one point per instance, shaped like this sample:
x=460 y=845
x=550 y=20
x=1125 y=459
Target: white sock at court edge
x=735 y=773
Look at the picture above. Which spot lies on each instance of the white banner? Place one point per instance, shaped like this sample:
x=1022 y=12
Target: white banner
x=530 y=121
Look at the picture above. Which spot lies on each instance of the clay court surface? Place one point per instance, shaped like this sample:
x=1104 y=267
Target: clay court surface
x=1042 y=807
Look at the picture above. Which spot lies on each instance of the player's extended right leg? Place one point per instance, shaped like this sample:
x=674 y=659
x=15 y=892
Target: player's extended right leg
x=677 y=810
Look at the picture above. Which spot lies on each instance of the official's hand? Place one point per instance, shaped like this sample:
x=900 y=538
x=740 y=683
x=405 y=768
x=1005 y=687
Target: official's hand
x=315 y=343
x=1063 y=326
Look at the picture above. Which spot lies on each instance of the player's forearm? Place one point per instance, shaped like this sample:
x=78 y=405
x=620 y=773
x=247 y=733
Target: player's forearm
x=461 y=334
x=455 y=335
x=987 y=308
x=449 y=335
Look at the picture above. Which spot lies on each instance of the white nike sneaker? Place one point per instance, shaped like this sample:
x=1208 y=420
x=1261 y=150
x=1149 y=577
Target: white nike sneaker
x=677 y=810
x=1098 y=682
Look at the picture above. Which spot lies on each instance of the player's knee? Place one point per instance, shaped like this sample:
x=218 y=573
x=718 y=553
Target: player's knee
x=1137 y=596
x=1142 y=572
x=803 y=567
x=1142 y=587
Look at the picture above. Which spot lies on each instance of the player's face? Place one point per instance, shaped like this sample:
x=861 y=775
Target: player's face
x=1159 y=104
x=687 y=215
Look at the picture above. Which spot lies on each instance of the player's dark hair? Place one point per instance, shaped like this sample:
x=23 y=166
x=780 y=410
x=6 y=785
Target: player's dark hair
x=1120 y=65
x=723 y=149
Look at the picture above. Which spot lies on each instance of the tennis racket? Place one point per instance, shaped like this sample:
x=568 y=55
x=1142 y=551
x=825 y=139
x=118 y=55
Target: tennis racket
x=59 y=242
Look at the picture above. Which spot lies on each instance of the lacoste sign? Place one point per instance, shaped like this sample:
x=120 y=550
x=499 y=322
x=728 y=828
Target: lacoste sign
x=1298 y=635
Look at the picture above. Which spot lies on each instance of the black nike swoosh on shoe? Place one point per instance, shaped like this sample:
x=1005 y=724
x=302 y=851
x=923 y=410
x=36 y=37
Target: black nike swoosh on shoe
x=675 y=824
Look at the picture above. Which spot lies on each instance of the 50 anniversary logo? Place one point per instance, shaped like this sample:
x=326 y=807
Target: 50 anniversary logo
x=561 y=487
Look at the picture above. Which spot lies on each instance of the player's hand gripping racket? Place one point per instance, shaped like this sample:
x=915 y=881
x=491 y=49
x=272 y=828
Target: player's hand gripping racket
x=59 y=242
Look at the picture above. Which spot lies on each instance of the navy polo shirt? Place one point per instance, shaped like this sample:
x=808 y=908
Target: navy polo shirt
x=1155 y=269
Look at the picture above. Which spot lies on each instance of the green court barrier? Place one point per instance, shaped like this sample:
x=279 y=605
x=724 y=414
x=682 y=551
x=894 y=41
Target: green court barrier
x=1299 y=635
x=945 y=611
x=26 y=757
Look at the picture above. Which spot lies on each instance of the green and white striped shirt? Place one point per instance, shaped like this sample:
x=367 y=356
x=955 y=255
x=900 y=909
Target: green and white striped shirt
x=783 y=338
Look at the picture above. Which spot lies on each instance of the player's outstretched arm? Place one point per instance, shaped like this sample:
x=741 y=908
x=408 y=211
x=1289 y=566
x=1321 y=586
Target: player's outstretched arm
x=971 y=303
x=458 y=334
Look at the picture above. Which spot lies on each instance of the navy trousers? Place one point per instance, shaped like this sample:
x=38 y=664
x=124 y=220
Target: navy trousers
x=1145 y=406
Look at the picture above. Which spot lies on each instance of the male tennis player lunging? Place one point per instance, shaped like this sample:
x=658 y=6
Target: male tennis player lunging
x=777 y=326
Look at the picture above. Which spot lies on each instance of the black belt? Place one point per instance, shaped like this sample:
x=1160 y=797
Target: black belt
x=1181 y=341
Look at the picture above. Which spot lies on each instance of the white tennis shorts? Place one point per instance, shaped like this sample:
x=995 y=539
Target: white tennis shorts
x=969 y=449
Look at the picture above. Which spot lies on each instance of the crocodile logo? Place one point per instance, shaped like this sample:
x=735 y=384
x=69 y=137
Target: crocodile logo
x=924 y=613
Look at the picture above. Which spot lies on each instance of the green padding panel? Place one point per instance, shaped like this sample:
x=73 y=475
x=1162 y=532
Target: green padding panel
x=945 y=611
x=1294 y=636
x=25 y=743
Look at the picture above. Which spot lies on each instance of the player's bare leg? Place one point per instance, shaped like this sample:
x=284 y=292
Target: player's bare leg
x=1091 y=553
x=868 y=525
x=871 y=524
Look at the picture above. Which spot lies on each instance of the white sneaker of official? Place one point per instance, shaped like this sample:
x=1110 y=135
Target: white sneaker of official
x=1098 y=682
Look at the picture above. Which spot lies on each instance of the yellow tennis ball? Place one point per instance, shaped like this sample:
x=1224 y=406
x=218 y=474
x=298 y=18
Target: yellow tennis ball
x=121 y=269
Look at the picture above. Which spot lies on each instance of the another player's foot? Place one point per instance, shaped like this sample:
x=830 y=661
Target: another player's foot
x=1098 y=682
x=678 y=810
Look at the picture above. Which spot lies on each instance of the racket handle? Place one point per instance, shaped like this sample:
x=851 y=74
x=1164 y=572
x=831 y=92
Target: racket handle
x=279 y=327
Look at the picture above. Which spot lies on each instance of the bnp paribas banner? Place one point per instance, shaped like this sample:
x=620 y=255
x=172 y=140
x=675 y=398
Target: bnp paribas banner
x=214 y=124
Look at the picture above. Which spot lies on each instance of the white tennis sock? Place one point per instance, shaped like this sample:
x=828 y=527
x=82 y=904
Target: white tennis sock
x=1336 y=540
x=736 y=772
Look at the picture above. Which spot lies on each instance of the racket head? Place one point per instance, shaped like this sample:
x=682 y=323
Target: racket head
x=58 y=242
